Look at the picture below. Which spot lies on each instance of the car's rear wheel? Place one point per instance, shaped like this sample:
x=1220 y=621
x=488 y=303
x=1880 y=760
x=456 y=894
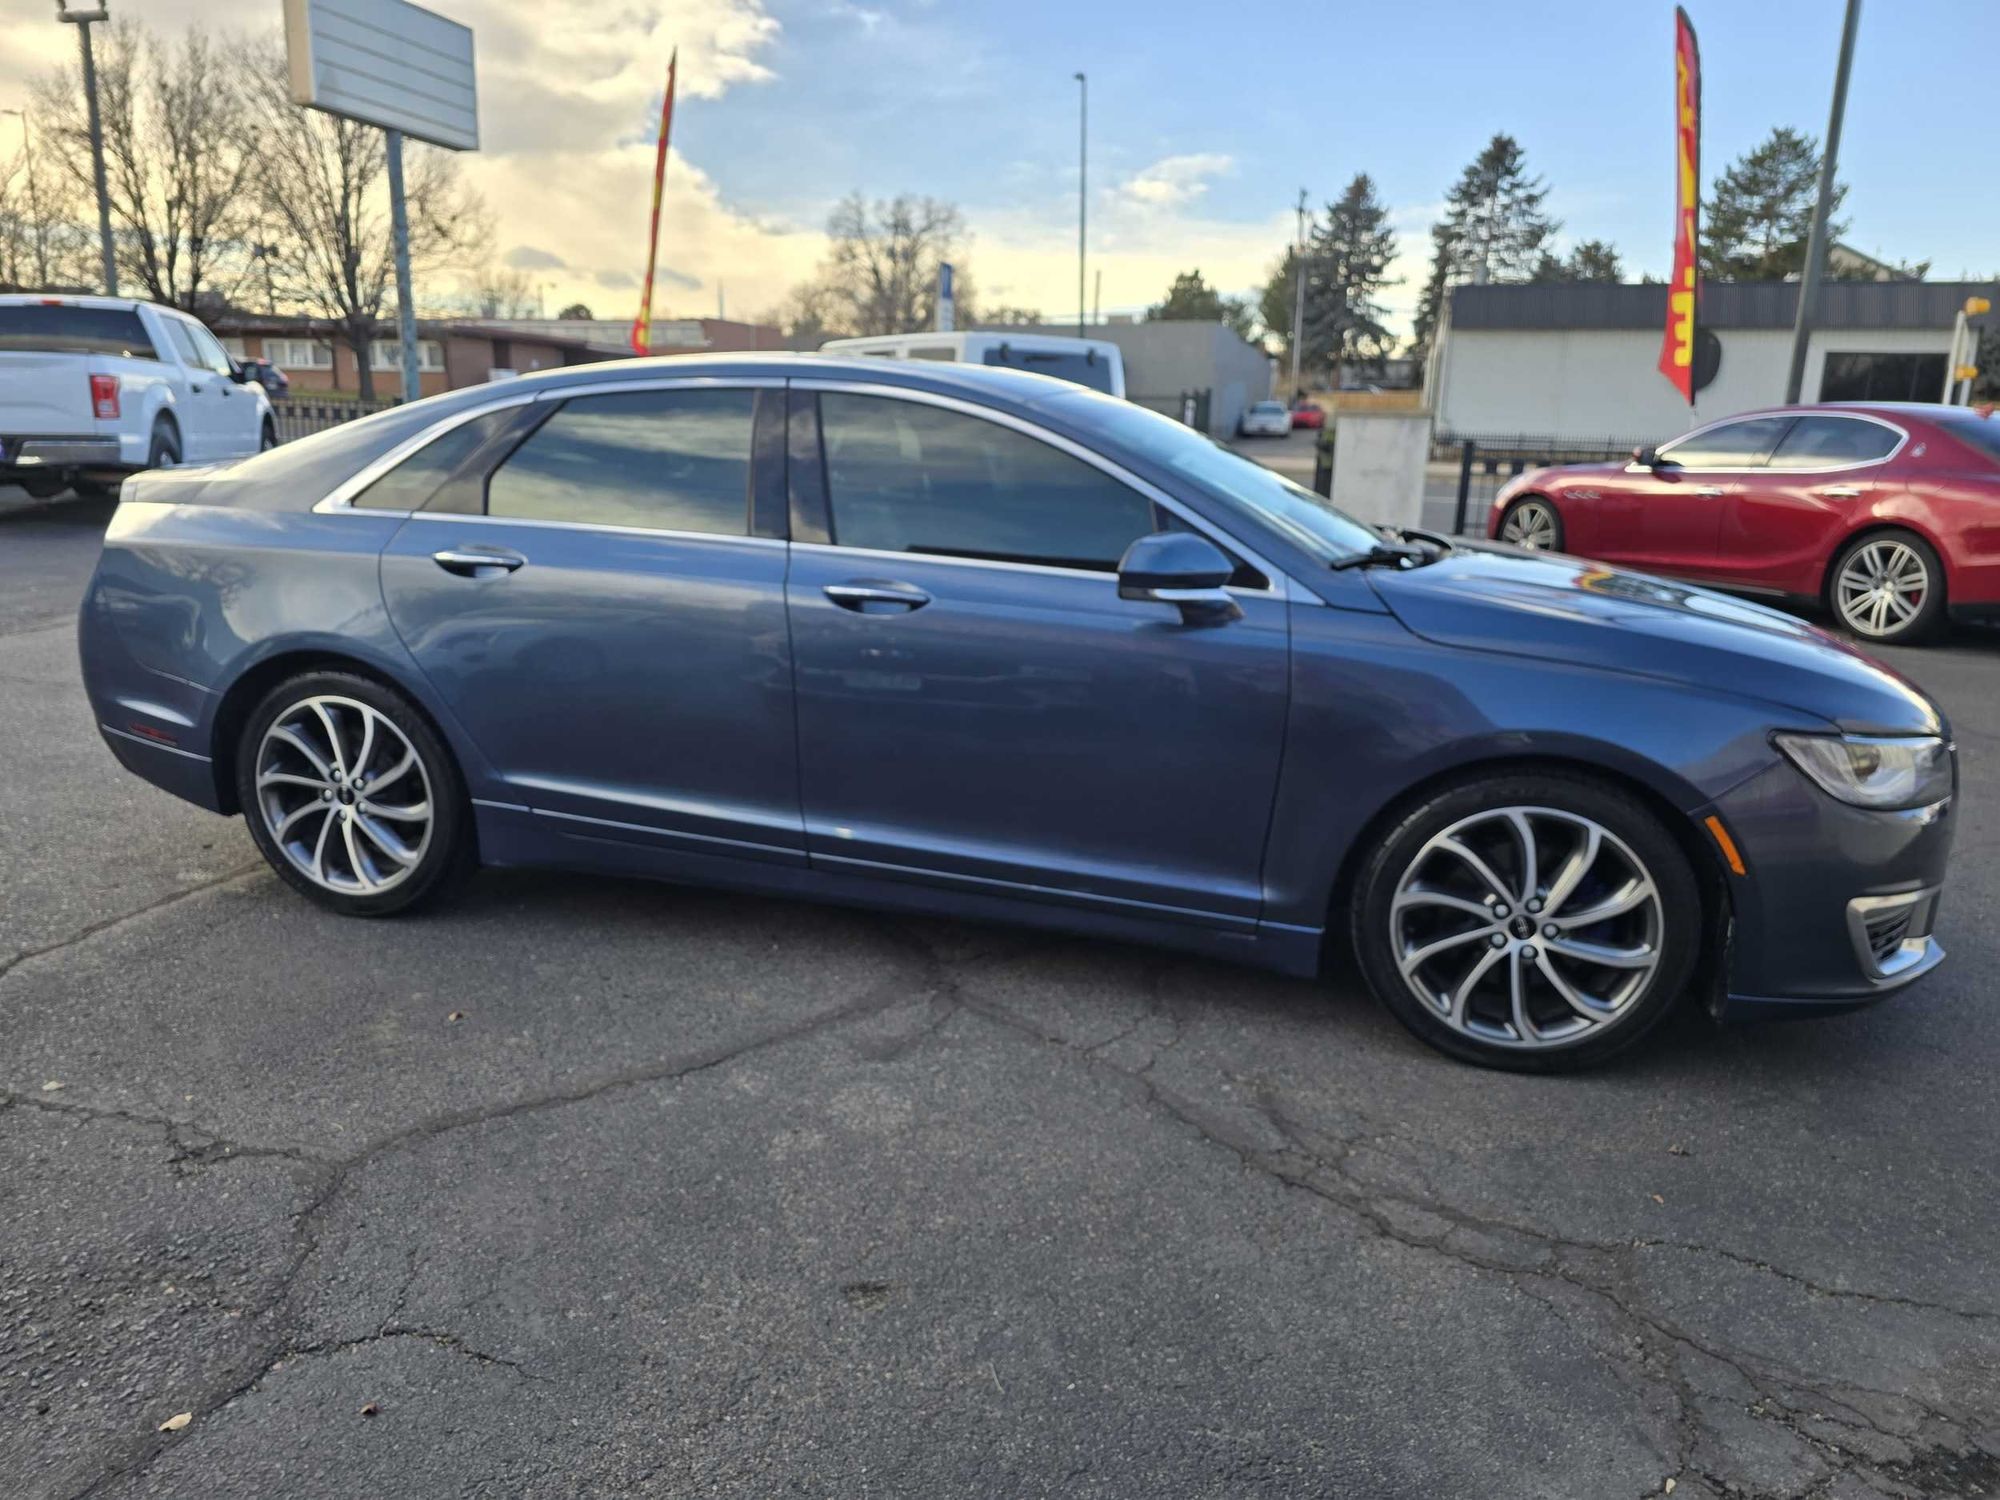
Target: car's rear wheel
x=351 y=795
x=267 y=439
x=1532 y=523
x=1536 y=921
x=1888 y=588
x=164 y=452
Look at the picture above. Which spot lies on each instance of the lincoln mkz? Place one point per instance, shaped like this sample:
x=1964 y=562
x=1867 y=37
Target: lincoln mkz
x=977 y=642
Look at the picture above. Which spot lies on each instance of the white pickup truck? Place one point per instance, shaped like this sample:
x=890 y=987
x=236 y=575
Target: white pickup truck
x=95 y=388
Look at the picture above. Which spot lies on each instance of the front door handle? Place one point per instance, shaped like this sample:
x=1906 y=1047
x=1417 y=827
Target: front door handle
x=1710 y=491
x=1841 y=491
x=871 y=598
x=477 y=562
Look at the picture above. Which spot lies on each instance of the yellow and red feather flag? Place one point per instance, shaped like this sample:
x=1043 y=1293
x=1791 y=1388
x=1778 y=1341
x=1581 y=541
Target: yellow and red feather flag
x=642 y=326
x=1683 y=292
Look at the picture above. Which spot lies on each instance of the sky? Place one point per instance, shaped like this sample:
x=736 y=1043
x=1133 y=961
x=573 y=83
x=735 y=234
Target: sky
x=1205 y=122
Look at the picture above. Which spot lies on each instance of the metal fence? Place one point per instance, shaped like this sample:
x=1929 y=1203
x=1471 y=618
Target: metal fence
x=301 y=418
x=1485 y=463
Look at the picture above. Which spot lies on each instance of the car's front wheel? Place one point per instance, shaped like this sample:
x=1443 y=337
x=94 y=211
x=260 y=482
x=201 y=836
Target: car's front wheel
x=351 y=795
x=1534 y=524
x=1888 y=587
x=1534 y=921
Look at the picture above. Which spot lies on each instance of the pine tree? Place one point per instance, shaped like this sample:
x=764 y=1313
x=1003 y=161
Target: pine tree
x=1494 y=229
x=1430 y=306
x=1192 y=300
x=1347 y=265
x=1592 y=260
x=1759 y=214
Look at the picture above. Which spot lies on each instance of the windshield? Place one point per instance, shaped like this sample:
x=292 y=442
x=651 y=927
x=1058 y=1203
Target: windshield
x=1981 y=433
x=1307 y=520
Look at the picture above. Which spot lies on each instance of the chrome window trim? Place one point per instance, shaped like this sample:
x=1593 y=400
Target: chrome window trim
x=341 y=497
x=1902 y=441
x=444 y=517
x=1282 y=585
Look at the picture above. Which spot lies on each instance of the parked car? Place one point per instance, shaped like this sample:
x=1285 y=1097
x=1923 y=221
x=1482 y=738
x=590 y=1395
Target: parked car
x=976 y=642
x=1264 y=419
x=1882 y=512
x=94 y=388
x=1308 y=414
x=276 y=383
x=1096 y=364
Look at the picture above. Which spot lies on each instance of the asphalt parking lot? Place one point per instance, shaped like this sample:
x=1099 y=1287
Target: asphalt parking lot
x=586 y=1188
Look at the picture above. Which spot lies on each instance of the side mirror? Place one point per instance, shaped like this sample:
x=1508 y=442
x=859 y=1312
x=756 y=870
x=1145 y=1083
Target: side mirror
x=240 y=373
x=1183 y=569
x=1646 y=458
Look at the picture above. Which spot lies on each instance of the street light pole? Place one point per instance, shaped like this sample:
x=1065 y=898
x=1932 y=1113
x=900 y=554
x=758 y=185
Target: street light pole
x=1082 y=192
x=1298 y=295
x=1815 y=266
x=83 y=20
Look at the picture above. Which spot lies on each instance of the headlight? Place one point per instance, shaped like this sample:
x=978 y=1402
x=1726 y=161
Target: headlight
x=1880 y=773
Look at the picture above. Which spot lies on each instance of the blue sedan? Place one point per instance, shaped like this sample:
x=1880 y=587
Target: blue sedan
x=977 y=642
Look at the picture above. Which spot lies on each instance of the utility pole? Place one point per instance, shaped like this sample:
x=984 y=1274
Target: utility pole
x=1815 y=266
x=406 y=311
x=1097 y=298
x=83 y=20
x=1298 y=297
x=1082 y=192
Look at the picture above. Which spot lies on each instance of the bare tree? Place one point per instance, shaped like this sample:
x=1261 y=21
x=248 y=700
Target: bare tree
x=880 y=274
x=322 y=185
x=45 y=244
x=496 y=291
x=178 y=154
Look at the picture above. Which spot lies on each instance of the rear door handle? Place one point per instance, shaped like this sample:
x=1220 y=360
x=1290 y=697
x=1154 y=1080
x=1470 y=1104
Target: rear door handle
x=1841 y=491
x=1710 y=491
x=478 y=562
x=869 y=598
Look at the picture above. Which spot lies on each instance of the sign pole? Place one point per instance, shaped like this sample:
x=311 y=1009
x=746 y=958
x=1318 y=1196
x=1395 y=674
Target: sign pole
x=406 y=312
x=1815 y=266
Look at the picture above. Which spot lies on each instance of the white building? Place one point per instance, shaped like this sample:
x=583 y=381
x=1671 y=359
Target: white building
x=1578 y=362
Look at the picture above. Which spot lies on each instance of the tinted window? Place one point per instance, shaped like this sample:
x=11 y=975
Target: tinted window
x=1829 y=442
x=75 y=330
x=1091 y=370
x=1882 y=377
x=413 y=481
x=905 y=477
x=1732 y=445
x=666 y=460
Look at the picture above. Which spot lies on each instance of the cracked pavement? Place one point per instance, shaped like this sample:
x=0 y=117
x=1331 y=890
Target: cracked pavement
x=703 y=1194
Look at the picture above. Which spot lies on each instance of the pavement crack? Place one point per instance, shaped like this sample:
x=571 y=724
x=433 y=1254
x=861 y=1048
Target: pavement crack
x=193 y=1146
x=108 y=924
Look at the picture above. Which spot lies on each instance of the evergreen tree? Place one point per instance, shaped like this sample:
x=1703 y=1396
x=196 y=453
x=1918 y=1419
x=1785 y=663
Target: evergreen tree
x=1430 y=306
x=1494 y=229
x=1347 y=265
x=1592 y=260
x=1192 y=300
x=1759 y=215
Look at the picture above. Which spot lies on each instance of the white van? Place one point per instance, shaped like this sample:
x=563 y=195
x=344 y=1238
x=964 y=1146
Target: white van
x=1095 y=363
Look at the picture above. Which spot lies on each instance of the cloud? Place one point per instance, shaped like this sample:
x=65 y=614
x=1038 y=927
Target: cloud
x=533 y=258
x=1175 y=180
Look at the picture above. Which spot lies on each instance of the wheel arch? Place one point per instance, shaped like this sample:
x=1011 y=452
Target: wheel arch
x=250 y=686
x=1704 y=859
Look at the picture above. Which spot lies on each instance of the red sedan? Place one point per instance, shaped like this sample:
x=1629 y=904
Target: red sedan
x=1308 y=414
x=1888 y=513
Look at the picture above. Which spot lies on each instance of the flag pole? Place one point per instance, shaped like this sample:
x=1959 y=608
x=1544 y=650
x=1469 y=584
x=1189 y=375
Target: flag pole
x=642 y=325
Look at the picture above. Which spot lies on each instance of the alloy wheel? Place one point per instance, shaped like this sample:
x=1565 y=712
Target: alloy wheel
x=1532 y=525
x=1527 y=927
x=344 y=794
x=1882 y=588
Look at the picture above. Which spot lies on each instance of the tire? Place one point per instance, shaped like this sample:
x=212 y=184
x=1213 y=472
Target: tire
x=1887 y=587
x=1420 y=906
x=1533 y=523
x=165 y=450
x=267 y=439
x=358 y=854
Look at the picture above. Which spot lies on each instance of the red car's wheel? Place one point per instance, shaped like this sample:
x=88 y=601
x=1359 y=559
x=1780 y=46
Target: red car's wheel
x=1888 y=588
x=1532 y=522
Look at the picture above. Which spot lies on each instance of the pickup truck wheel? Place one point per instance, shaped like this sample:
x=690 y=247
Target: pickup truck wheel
x=166 y=449
x=268 y=438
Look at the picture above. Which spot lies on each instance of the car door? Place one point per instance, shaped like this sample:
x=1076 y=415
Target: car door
x=976 y=704
x=201 y=414
x=240 y=415
x=593 y=604
x=1672 y=515
x=1782 y=523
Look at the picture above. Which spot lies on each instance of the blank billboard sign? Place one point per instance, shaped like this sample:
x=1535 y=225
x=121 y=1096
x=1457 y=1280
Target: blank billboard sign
x=386 y=63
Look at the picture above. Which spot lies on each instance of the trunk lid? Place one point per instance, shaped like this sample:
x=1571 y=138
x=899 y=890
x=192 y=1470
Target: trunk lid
x=49 y=349
x=48 y=395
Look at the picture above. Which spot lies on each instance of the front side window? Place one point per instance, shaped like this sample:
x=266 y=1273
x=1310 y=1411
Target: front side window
x=1728 y=445
x=210 y=353
x=675 y=460
x=907 y=477
x=1832 y=443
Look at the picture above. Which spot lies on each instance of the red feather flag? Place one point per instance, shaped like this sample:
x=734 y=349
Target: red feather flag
x=642 y=326
x=1677 y=350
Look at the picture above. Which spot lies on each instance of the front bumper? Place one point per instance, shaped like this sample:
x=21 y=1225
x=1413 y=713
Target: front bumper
x=1837 y=905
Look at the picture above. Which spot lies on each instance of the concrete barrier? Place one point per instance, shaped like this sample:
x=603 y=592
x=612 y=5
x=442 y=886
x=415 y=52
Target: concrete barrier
x=1378 y=465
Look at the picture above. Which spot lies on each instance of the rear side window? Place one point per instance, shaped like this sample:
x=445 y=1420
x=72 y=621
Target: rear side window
x=662 y=460
x=1833 y=442
x=1729 y=445
x=1090 y=370
x=410 y=485
x=42 y=329
x=906 y=477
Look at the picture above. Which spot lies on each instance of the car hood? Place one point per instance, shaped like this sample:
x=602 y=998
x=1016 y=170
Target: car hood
x=1549 y=606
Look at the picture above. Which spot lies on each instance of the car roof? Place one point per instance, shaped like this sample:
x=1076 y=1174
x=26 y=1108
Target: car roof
x=975 y=382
